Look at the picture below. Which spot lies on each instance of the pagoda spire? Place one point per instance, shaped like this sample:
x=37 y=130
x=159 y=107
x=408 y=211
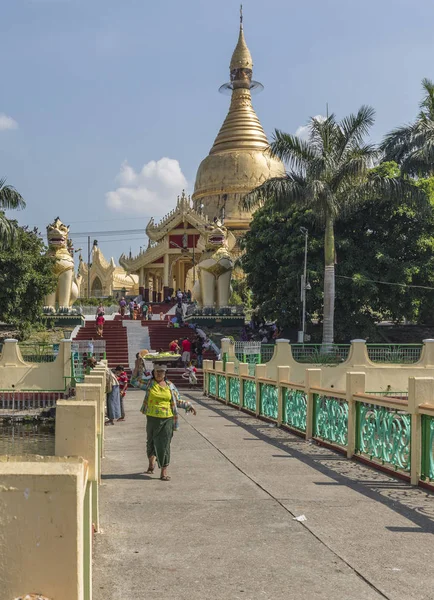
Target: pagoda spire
x=241 y=128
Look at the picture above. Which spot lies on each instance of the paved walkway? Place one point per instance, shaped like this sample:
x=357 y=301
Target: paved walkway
x=224 y=527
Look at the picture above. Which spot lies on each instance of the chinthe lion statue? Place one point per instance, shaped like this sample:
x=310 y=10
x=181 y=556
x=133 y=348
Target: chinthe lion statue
x=213 y=287
x=66 y=292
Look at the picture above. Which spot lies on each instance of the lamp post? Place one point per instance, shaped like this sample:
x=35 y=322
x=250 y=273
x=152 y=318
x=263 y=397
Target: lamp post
x=304 y=286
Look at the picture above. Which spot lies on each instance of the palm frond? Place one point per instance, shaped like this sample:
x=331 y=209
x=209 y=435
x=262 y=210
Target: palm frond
x=354 y=128
x=292 y=150
x=280 y=191
x=8 y=231
x=9 y=197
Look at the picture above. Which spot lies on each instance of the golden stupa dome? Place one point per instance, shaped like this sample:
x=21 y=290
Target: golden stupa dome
x=239 y=159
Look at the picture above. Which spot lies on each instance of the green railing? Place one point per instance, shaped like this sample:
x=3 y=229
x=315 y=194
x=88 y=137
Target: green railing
x=330 y=421
x=294 y=408
x=212 y=384
x=267 y=351
x=268 y=400
x=318 y=354
x=427 y=450
x=234 y=390
x=394 y=353
x=380 y=426
x=384 y=434
x=38 y=352
x=221 y=382
x=249 y=395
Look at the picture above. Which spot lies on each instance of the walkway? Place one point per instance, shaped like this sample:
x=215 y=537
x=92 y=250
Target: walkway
x=224 y=528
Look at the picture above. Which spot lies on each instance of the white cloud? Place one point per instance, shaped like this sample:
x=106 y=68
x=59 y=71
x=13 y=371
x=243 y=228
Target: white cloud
x=303 y=131
x=7 y=122
x=153 y=190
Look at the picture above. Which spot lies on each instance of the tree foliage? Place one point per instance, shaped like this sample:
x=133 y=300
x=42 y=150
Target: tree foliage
x=383 y=240
x=9 y=199
x=328 y=174
x=26 y=276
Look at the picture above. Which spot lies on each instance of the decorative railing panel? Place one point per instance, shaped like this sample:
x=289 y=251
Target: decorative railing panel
x=249 y=395
x=212 y=384
x=331 y=419
x=267 y=351
x=234 y=390
x=384 y=433
x=221 y=386
x=269 y=400
x=294 y=408
x=427 y=466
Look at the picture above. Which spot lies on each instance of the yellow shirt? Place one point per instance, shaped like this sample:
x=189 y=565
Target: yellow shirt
x=159 y=402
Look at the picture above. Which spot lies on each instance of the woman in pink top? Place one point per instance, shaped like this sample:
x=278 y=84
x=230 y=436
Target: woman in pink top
x=100 y=324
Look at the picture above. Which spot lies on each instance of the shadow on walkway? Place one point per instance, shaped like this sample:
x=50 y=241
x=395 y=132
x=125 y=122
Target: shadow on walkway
x=413 y=503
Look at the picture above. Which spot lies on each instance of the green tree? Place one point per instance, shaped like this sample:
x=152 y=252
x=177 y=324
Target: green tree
x=381 y=240
x=412 y=145
x=10 y=199
x=329 y=174
x=26 y=276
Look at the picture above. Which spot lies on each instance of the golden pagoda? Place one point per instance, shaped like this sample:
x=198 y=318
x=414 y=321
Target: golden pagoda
x=239 y=159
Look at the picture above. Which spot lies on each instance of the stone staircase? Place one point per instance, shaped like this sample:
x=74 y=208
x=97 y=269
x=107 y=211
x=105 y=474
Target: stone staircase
x=116 y=338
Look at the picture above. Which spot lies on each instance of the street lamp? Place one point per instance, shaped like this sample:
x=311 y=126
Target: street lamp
x=304 y=286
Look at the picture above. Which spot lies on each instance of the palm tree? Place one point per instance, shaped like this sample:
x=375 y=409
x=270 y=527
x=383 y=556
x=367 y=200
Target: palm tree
x=10 y=199
x=412 y=145
x=328 y=173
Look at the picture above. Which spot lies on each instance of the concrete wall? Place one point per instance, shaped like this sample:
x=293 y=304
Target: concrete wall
x=380 y=377
x=42 y=506
x=16 y=374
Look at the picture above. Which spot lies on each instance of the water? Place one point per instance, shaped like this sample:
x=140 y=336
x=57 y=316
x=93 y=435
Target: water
x=27 y=437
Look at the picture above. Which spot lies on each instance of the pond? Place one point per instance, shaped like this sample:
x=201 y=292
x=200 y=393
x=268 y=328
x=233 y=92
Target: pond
x=27 y=437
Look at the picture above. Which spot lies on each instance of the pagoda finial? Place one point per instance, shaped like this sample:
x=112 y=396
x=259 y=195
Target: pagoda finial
x=241 y=58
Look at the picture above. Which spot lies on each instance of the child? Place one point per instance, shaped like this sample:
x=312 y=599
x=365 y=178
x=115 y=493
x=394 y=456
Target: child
x=100 y=324
x=190 y=374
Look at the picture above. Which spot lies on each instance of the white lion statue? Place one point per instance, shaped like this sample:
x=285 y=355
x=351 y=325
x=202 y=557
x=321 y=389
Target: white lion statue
x=213 y=287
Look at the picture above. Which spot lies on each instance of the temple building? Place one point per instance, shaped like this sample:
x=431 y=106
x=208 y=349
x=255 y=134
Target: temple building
x=238 y=161
x=105 y=278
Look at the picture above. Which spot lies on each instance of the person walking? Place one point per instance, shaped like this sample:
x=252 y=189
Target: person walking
x=100 y=324
x=160 y=405
x=199 y=352
x=131 y=307
x=186 y=351
x=150 y=313
x=144 y=311
x=122 y=306
x=113 y=400
x=123 y=386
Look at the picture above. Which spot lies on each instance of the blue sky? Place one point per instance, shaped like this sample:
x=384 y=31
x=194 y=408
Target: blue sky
x=107 y=106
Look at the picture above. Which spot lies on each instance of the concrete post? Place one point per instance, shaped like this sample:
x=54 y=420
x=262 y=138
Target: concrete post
x=42 y=503
x=76 y=435
x=230 y=369
x=358 y=356
x=355 y=384
x=88 y=391
x=282 y=375
x=260 y=373
x=243 y=371
x=312 y=378
x=420 y=391
x=427 y=356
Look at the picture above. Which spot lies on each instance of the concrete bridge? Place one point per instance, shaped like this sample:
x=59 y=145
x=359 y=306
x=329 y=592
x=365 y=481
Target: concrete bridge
x=253 y=512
